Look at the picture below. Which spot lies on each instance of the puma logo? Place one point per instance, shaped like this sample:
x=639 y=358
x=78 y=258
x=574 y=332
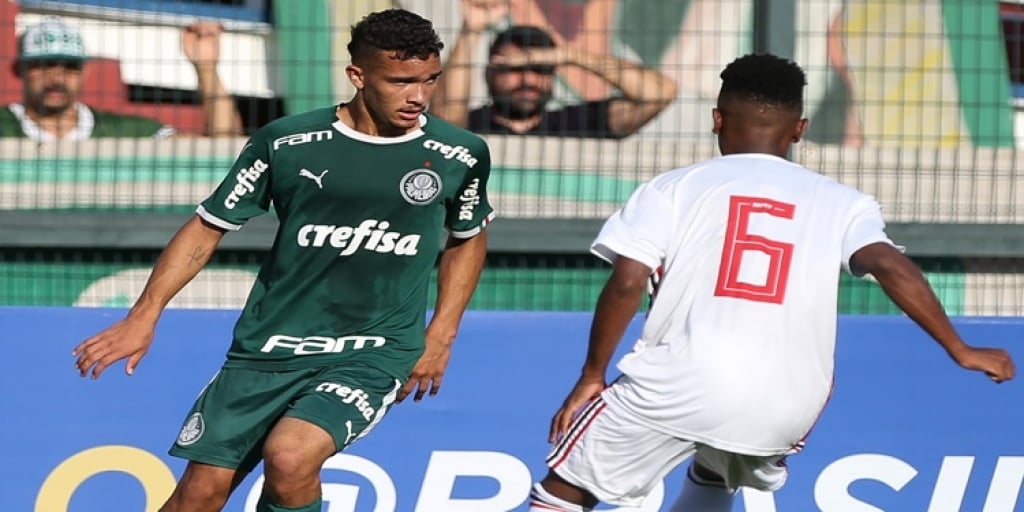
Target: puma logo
x=318 y=179
x=348 y=438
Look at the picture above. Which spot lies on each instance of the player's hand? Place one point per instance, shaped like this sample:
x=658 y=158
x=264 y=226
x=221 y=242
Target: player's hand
x=428 y=372
x=478 y=15
x=584 y=391
x=994 y=362
x=129 y=338
x=200 y=42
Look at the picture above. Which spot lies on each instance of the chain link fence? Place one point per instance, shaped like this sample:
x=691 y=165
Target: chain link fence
x=914 y=102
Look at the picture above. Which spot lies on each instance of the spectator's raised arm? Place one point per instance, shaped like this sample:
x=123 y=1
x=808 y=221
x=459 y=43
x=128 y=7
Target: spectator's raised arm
x=645 y=91
x=454 y=90
x=200 y=42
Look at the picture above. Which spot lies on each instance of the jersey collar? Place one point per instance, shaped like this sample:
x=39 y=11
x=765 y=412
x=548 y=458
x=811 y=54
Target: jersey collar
x=764 y=156
x=351 y=133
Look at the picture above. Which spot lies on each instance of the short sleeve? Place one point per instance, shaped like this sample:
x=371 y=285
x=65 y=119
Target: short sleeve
x=245 y=192
x=866 y=227
x=640 y=230
x=469 y=211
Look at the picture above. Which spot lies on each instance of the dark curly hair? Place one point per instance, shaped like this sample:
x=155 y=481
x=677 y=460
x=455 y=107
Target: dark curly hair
x=406 y=34
x=521 y=36
x=765 y=79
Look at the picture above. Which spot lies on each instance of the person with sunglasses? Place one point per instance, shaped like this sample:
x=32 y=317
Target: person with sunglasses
x=521 y=75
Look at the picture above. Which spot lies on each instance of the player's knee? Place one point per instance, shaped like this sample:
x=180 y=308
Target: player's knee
x=295 y=451
x=284 y=463
x=290 y=473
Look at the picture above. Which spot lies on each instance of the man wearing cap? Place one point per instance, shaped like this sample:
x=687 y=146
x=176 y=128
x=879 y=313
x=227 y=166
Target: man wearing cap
x=51 y=60
x=520 y=79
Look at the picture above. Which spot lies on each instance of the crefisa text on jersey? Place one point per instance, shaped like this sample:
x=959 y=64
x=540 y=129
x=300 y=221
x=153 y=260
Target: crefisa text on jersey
x=245 y=183
x=470 y=198
x=459 y=153
x=370 y=234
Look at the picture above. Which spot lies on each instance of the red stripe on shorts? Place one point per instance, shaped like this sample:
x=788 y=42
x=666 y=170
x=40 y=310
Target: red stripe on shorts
x=578 y=417
x=577 y=433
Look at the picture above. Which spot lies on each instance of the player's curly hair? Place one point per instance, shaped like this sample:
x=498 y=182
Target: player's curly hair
x=765 y=79
x=407 y=34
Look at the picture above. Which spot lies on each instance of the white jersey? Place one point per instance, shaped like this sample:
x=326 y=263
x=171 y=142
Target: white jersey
x=745 y=251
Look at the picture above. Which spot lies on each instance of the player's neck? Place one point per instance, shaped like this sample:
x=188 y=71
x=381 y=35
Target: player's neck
x=755 y=142
x=355 y=115
x=755 y=151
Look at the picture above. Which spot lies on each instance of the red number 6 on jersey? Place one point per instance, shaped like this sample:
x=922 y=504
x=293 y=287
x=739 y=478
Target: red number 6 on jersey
x=738 y=241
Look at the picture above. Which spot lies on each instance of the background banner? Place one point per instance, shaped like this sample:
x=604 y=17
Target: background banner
x=906 y=430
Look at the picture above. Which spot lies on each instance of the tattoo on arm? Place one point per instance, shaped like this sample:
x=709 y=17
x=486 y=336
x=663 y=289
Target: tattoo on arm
x=197 y=257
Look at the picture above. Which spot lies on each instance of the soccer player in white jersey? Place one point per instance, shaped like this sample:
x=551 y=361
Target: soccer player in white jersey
x=741 y=255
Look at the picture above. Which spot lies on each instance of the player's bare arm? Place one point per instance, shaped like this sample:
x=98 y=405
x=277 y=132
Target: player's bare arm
x=903 y=282
x=185 y=255
x=616 y=305
x=458 y=274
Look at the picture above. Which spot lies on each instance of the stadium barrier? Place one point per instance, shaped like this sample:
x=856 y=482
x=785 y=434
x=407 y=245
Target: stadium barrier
x=905 y=430
x=81 y=224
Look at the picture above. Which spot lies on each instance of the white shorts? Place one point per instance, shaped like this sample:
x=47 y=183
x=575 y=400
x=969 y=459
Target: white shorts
x=620 y=461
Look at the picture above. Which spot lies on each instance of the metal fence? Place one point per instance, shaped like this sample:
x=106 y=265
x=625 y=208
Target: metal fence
x=913 y=102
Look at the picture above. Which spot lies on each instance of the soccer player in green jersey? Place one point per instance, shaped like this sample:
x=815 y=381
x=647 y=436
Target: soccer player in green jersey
x=333 y=331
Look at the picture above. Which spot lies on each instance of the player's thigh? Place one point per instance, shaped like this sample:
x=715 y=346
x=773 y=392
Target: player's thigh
x=767 y=473
x=346 y=402
x=615 y=457
x=230 y=420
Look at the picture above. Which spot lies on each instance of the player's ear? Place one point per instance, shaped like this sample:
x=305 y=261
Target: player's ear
x=716 y=116
x=356 y=76
x=801 y=128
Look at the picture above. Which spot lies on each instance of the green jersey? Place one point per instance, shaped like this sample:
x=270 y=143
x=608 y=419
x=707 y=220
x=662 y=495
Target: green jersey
x=362 y=220
x=92 y=124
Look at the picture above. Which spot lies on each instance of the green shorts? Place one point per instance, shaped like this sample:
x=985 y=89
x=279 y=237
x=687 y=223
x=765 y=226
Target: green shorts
x=233 y=415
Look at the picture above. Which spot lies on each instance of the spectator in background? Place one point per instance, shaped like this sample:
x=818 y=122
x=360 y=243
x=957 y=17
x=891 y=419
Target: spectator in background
x=51 y=62
x=520 y=77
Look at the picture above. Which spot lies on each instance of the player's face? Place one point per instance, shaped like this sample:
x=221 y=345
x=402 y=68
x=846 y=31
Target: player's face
x=519 y=92
x=396 y=91
x=51 y=87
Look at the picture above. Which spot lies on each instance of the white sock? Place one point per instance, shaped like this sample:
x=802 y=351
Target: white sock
x=700 y=495
x=543 y=501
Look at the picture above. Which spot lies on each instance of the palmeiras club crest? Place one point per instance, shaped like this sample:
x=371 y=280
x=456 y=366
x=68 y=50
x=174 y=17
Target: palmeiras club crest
x=192 y=430
x=420 y=186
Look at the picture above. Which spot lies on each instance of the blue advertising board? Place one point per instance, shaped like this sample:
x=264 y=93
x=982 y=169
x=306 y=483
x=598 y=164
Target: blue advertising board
x=906 y=430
